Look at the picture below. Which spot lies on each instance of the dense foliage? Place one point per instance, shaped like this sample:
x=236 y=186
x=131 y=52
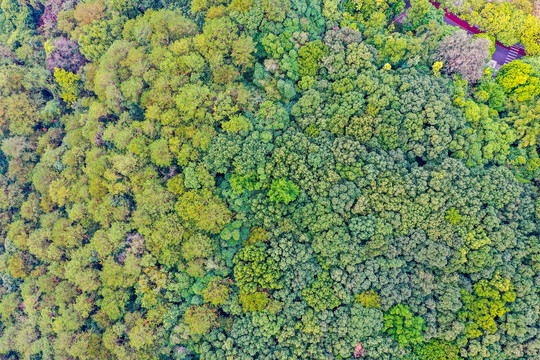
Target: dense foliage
x=256 y=179
x=510 y=22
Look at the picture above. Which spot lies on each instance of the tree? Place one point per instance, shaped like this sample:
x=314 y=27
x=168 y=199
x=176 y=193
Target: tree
x=253 y=179
x=437 y=349
x=461 y=54
x=65 y=55
x=406 y=328
x=320 y=295
x=368 y=299
x=254 y=269
x=492 y=93
x=90 y=11
x=531 y=35
x=225 y=51
x=200 y=319
x=492 y=47
x=204 y=210
x=68 y=84
x=485 y=305
x=217 y=291
x=18 y=113
x=422 y=12
x=308 y=57
x=256 y=301
x=520 y=80
x=276 y=10
x=283 y=191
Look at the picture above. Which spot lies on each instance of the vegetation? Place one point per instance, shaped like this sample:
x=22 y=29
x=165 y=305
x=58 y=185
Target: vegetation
x=255 y=179
x=510 y=22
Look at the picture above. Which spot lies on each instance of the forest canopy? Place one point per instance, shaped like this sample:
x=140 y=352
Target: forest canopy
x=268 y=179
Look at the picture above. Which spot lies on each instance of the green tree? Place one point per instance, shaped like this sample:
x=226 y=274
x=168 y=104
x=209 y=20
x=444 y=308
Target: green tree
x=520 y=80
x=254 y=268
x=68 y=85
x=320 y=295
x=256 y=301
x=283 y=190
x=204 y=210
x=200 y=319
x=309 y=56
x=437 y=349
x=482 y=308
x=406 y=328
x=368 y=299
x=217 y=291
